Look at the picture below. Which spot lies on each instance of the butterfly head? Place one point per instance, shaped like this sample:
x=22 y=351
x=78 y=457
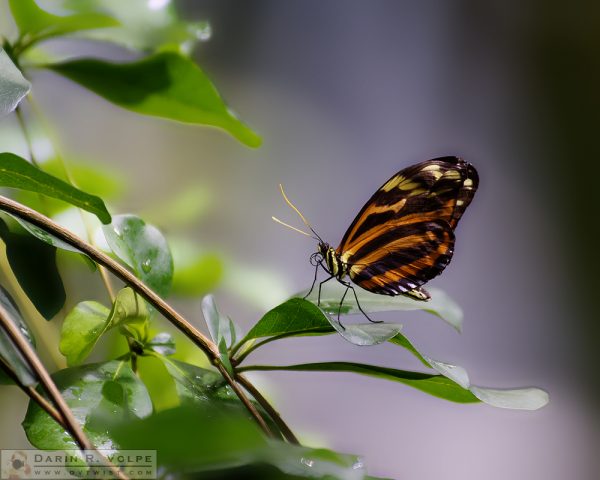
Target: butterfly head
x=324 y=247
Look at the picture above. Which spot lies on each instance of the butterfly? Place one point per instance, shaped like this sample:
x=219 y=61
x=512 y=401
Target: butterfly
x=404 y=235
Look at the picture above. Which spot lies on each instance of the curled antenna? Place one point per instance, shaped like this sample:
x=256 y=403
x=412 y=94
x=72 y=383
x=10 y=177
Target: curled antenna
x=287 y=200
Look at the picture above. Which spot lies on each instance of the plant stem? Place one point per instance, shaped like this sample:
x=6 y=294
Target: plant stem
x=203 y=342
x=21 y=120
x=241 y=357
x=33 y=394
x=68 y=176
x=40 y=371
x=274 y=414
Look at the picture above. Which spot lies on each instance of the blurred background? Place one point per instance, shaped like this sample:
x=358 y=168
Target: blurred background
x=345 y=93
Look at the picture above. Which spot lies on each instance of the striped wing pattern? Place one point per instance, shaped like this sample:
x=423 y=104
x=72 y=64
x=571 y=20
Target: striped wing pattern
x=404 y=235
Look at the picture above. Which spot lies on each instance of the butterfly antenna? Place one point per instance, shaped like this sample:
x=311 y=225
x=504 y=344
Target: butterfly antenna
x=287 y=200
x=289 y=226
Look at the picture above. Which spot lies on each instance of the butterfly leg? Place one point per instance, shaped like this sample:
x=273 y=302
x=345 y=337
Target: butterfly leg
x=313 y=284
x=350 y=286
x=340 y=307
x=320 y=285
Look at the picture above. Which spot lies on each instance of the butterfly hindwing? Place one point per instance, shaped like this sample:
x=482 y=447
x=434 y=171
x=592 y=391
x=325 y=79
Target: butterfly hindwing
x=403 y=236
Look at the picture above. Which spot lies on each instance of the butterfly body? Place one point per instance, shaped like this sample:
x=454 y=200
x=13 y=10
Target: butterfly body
x=404 y=235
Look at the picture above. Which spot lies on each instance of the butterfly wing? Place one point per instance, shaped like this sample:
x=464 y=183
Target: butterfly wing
x=403 y=236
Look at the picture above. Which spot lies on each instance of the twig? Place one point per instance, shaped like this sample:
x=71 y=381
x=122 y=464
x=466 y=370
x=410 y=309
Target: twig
x=50 y=387
x=242 y=356
x=203 y=342
x=251 y=389
x=19 y=114
x=33 y=394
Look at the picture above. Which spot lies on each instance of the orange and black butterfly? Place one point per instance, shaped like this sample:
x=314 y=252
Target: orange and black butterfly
x=404 y=235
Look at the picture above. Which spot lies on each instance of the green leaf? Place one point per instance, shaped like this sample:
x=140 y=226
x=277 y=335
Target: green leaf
x=99 y=179
x=166 y=85
x=207 y=389
x=227 y=442
x=296 y=316
x=222 y=330
x=8 y=351
x=440 y=303
x=81 y=329
x=145 y=26
x=401 y=340
x=436 y=385
x=162 y=343
x=219 y=326
x=144 y=248
x=36 y=22
x=34 y=265
x=301 y=317
x=88 y=321
x=198 y=385
x=16 y=172
x=44 y=236
x=13 y=86
x=129 y=312
x=110 y=389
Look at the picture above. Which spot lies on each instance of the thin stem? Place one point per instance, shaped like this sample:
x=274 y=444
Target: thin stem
x=69 y=177
x=33 y=394
x=50 y=387
x=245 y=400
x=241 y=357
x=274 y=414
x=203 y=342
x=28 y=141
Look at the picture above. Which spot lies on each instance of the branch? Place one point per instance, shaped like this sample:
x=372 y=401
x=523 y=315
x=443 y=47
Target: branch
x=251 y=389
x=203 y=342
x=33 y=394
x=69 y=421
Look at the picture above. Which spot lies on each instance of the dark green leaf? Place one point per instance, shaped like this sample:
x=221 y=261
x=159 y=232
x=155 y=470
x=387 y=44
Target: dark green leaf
x=99 y=179
x=144 y=248
x=436 y=385
x=227 y=441
x=165 y=85
x=204 y=387
x=295 y=316
x=32 y=20
x=198 y=385
x=104 y=390
x=8 y=351
x=301 y=317
x=44 y=236
x=16 y=172
x=34 y=265
x=13 y=86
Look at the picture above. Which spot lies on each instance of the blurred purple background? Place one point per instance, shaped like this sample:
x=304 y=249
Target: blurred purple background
x=345 y=93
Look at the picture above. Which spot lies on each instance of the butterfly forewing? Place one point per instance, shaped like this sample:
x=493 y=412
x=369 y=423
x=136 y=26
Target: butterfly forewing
x=403 y=236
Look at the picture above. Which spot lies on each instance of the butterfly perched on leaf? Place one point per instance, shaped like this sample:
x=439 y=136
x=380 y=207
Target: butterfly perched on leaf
x=404 y=235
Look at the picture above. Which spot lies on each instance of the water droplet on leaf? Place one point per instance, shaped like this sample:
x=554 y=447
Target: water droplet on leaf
x=146 y=265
